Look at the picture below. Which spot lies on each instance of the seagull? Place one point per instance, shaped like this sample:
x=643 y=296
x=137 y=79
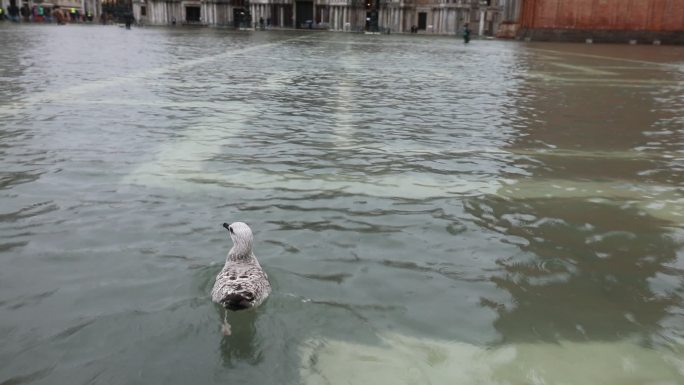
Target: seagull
x=242 y=284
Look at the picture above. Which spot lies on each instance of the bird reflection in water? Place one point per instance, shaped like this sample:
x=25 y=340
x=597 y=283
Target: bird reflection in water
x=242 y=345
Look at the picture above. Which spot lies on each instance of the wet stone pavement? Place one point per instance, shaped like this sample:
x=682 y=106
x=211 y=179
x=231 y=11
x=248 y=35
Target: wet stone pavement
x=428 y=212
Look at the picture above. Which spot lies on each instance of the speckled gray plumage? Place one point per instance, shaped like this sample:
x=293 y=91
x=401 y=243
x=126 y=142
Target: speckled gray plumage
x=242 y=283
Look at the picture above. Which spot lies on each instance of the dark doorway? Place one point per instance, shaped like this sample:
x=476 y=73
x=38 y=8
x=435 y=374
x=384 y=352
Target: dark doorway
x=287 y=15
x=305 y=14
x=241 y=18
x=275 y=16
x=192 y=14
x=422 y=20
x=372 y=21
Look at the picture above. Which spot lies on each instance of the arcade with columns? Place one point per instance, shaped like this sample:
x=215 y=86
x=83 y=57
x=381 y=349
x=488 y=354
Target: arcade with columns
x=394 y=16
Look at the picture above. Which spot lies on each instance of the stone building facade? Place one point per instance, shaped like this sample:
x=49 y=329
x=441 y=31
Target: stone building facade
x=509 y=11
x=431 y=16
x=395 y=16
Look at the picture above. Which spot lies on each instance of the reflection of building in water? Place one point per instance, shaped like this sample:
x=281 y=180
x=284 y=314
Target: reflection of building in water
x=429 y=16
x=584 y=271
x=584 y=207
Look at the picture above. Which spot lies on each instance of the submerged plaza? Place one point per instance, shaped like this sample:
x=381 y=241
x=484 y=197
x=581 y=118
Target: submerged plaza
x=427 y=211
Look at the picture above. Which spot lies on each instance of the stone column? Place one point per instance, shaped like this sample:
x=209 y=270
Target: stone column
x=390 y=20
x=482 y=23
x=281 y=12
x=404 y=21
x=345 y=17
x=439 y=21
x=401 y=19
x=395 y=19
x=435 y=20
x=459 y=22
x=388 y=23
x=451 y=23
x=442 y=20
x=395 y=24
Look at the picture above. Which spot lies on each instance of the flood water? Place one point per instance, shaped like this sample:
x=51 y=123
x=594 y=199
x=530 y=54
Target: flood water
x=427 y=212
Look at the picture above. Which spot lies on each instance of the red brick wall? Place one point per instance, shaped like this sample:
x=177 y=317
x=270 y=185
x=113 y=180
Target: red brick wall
x=649 y=15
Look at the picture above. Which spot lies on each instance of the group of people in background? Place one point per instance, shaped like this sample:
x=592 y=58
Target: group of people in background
x=40 y=14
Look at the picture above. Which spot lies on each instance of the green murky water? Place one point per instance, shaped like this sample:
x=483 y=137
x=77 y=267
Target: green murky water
x=428 y=212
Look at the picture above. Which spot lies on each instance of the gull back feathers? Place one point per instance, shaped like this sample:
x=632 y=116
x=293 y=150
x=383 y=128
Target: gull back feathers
x=242 y=283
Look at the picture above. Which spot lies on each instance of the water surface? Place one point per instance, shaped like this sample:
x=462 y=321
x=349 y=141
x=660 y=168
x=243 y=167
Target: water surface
x=428 y=212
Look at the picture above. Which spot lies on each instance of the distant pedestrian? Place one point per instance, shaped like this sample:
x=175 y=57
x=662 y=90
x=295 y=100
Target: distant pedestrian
x=38 y=14
x=13 y=11
x=59 y=16
x=2 y=14
x=261 y=23
x=466 y=34
x=25 y=12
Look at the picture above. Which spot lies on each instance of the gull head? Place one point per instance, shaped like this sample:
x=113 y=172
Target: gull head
x=242 y=237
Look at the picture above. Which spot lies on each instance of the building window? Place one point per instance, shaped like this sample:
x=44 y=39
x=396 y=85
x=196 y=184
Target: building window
x=143 y=11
